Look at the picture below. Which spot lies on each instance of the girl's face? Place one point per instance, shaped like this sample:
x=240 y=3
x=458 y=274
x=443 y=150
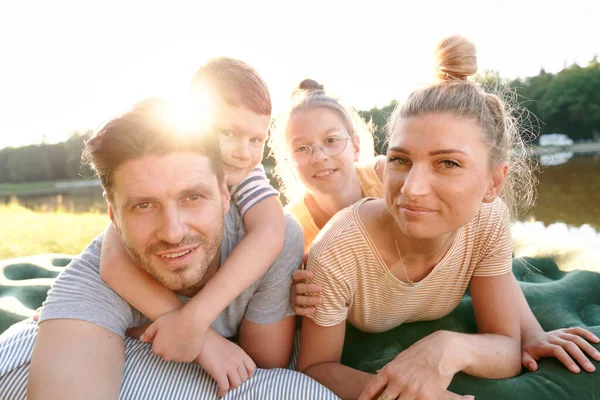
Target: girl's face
x=313 y=137
x=437 y=173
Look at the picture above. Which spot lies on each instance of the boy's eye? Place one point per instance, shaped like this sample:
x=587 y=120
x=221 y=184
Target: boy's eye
x=226 y=132
x=256 y=140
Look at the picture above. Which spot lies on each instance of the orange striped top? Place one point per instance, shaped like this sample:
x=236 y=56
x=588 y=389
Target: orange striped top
x=358 y=286
x=369 y=183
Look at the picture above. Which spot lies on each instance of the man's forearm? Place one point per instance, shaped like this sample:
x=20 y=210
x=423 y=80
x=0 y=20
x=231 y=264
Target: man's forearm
x=75 y=359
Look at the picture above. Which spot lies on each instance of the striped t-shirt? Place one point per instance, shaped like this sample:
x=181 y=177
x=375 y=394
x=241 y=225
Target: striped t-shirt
x=252 y=189
x=358 y=286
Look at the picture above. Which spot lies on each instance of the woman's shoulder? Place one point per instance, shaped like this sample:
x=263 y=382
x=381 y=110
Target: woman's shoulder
x=340 y=233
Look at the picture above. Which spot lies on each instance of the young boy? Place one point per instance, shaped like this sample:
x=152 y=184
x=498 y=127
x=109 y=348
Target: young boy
x=242 y=110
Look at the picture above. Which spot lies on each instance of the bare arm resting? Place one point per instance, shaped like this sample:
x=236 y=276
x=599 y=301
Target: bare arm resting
x=75 y=359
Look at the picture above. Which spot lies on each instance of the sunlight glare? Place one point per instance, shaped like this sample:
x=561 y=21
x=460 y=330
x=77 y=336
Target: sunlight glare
x=191 y=115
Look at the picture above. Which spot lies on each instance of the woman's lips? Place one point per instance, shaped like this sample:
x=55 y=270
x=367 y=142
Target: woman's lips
x=411 y=210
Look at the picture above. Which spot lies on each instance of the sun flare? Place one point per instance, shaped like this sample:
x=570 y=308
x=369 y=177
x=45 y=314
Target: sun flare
x=191 y=114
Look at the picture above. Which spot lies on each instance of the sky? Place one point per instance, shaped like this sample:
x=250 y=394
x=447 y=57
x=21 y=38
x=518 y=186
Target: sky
x=71 y=65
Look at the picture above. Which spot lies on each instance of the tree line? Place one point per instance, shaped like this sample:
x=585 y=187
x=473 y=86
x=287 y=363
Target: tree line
x=567 y=102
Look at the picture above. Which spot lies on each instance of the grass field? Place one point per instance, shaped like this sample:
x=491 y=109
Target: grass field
x=24 y=232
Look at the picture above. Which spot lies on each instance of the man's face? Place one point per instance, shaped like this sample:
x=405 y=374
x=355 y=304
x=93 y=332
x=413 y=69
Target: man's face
x=169 y=210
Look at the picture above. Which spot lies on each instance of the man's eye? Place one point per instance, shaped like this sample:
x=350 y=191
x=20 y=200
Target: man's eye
x=143 y=206
x=194 y=197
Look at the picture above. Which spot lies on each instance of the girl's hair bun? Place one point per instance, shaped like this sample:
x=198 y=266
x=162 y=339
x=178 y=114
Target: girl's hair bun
x=308 y=85
x=455 y=58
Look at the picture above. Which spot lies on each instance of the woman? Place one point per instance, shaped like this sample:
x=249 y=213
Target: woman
x=441 y=222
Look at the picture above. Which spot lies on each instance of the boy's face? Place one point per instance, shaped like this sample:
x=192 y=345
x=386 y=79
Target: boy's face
x=242 y=135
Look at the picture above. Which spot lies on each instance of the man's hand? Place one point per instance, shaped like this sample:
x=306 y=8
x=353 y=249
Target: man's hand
x=304 y=296
x=226 y=362
x=175 y=336
x=568 y=345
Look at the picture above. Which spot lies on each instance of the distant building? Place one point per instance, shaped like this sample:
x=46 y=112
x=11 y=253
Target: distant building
x=555 y=139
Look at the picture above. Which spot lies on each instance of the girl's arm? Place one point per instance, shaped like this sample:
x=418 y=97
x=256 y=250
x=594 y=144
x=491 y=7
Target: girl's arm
x=131 y=282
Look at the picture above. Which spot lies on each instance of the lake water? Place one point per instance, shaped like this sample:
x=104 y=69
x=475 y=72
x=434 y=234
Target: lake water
x=568 y=192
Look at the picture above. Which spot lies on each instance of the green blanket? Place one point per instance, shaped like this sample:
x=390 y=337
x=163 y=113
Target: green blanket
x=558 y=299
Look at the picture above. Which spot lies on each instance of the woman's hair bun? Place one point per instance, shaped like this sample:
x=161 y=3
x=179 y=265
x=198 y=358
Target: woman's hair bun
x=455 y=58
x=308 y=85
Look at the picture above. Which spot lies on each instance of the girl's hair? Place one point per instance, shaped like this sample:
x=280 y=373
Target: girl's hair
x=454 y=93
x=309 y=95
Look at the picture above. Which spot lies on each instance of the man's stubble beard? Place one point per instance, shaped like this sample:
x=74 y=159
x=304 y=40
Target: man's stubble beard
x=187 y=276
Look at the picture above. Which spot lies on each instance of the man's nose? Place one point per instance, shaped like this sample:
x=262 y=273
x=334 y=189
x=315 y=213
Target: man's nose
x=173 y=228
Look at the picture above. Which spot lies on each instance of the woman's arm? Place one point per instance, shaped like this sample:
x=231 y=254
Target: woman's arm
x=320 y=356
x=567 y=345
x=426 y=368
x=131 y=282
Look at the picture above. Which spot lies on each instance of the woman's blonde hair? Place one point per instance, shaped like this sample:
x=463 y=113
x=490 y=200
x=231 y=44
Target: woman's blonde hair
x=454 y=93
x=309 y=95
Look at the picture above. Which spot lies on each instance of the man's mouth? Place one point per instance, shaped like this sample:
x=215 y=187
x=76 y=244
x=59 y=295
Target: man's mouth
x=177 y=254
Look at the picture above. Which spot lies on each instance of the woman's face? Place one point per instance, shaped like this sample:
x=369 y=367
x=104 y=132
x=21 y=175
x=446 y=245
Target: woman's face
x=320 y=173
x=437 y=174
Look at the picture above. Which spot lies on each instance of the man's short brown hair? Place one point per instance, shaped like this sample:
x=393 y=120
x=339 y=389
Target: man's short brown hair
x=234 y=82
x=144 y=130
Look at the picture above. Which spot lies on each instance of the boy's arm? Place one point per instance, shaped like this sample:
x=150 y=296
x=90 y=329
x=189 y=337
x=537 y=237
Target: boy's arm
x=131 y=282
x=250 y=259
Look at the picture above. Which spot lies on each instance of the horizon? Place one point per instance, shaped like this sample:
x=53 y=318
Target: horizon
x=76 y=66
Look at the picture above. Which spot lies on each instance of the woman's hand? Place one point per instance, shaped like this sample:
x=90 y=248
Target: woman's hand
x=568 y=345
x=304 y=296
x=423 y=371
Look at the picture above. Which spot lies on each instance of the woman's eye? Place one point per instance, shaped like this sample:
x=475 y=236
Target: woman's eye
x=398 y=160
x=256 y=140
x=450 y=164
x=331 y=139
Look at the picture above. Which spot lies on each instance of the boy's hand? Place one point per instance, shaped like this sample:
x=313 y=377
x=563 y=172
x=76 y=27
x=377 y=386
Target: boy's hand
x=175 y=336
x=304 y=296
x=226 y=362
x=568 y=345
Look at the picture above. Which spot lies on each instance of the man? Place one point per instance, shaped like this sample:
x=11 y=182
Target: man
x=167 y=198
